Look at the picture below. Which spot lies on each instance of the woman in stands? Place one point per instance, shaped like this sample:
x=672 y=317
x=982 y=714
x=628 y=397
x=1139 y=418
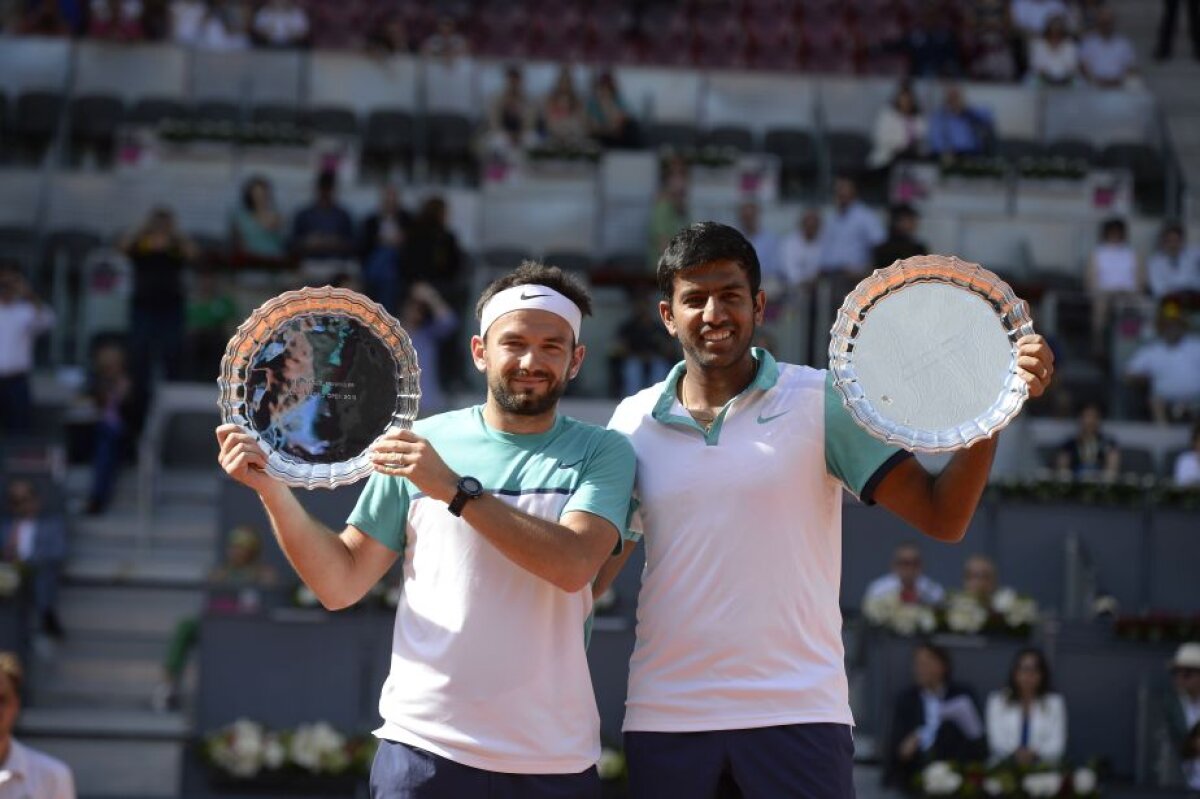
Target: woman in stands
x=1027 y=721
x=900 y=129
x=1054 y=58
x=1115 y=278
x=256 y=231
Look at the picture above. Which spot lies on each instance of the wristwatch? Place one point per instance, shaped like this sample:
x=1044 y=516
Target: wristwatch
x=468 y=488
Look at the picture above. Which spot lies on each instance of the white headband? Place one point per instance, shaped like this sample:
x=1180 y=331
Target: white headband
x=532 y=296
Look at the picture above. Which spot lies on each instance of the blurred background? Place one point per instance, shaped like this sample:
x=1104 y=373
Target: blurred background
x=167 y=166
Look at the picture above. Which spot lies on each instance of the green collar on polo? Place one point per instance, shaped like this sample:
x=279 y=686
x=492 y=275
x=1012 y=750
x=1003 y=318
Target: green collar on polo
x=765 y=377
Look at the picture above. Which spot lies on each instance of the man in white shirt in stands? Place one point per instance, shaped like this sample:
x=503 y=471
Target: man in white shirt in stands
x=905 y=580
x=738 y=671
x=849 y=232
x=23 y=317
x=1175 y=265
x=281 y=23
x=501 y=514
x=1171 y=365
x=1106 y=57
x=25 y=773
x=800 y=253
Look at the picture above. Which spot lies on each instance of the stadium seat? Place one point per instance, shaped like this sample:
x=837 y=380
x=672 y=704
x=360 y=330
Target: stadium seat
x=150 y=111
x=94 y=122
x=449 y=143
x=1075 y=149
x=504 y=258
x=4 y=124
x=1014 y=149
x=797 y=152
x=1149 y=173
x=1138 y=461
x=676 y=135
x=388 y=138
x=569 y=261
x=216 y=111
x=331 y=121
x=276 y=114
x=738 y=138
x=848 y=151
x=36 y=119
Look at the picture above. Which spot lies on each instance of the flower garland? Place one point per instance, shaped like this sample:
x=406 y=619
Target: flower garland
x=10 y=579
x=1009 y=613
x=246 y=750
x=944 y=778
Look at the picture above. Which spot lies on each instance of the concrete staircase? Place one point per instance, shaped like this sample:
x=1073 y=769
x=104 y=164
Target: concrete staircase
x=126 y=587
x=1176 y=84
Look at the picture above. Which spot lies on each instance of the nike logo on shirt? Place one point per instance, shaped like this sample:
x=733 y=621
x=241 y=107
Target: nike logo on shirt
x=562 y=465
x=764 y=419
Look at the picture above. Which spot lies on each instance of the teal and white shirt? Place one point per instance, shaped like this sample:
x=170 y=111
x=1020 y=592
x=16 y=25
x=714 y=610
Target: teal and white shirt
x=488 y=660
x=739 y=624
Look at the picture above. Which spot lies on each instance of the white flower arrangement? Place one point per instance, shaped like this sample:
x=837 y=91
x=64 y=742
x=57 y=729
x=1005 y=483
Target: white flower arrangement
x=965 y=614
x=1084 y=782
x=246 y=750
x=940 y=779
x=1047 y=783
x=10 y=579
x=993 y=786
x=905 y=618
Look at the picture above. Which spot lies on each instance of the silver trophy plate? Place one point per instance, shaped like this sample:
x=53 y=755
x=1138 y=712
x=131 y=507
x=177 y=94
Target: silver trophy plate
x=924 y=353
x=315 y=376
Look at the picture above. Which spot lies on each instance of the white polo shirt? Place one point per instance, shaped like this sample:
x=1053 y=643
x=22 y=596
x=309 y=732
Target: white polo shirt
x=739 y=624
x=29 y=774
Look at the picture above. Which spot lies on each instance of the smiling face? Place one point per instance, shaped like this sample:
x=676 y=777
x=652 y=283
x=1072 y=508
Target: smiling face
x=713 y=313
x=528 y=356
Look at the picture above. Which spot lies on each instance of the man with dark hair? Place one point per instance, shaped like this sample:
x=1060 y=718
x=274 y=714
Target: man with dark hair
x=902 y=241
x=323 y=229
x=738 y=670
x=23 y=317
x=36 y=540
x=489 y=692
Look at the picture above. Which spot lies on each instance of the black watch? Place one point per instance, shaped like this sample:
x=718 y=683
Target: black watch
x=468 y=488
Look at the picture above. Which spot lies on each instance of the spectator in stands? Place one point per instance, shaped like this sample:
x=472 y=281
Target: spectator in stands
x=23 y=317
x=765 y=243
x=609 y=119
x=429 y=320
x=208 y=25
x=323 y=230
x=431 y=248
x=512 y=119
x=1031 y=17
x=280 y=24
x=256 y=229
x=159 y=252
x=211 y=320
x=642 y=350
x=1190 y=759
x=54 y=18
x=906 y=580
x=1114 y=278
x=800 y=253
x=1053 y=56
x=670 y=211
x=1171 y=366
x=116 y=20
x=156 y=20
x=935 y=719
x=1187 y=465
x=1174 y=267
x=563 y=116
x=849 y=232
x=1089 y=453
x=446 y=43
x=234 y=586
x=1026 y=720
x=957 y=129
x=25 y=771
x=979 y=579
x=900 y=129
x=932 y=44
x=1166 y=28
x=1107 y=58
x=383 y=237
x=389 y=35
x=902 y=241
x=36 y=538
x=1181 y=705
x=110 y=391
x=990 y=44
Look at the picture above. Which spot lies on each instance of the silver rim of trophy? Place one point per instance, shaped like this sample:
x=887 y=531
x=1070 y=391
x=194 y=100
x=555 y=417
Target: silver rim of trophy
x=916 y=398
x=292 y=376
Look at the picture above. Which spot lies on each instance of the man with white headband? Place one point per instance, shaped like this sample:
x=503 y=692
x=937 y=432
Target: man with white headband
x=502 y=513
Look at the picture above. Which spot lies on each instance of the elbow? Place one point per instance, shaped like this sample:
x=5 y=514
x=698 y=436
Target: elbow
x=946 y=532
x=573 y=582
x=334 y=601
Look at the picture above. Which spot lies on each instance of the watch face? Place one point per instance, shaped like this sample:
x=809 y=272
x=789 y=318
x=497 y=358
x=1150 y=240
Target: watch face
x=471 y=486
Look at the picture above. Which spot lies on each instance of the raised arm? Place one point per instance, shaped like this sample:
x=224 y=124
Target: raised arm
x=566 y=553
x=339 y=567
x=942 y=506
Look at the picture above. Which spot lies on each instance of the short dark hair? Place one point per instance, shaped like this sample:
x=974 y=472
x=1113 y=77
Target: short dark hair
x=536 y=273
x=705 y=243
x=940 y=653
x=1113 y=225
x=326 y=181
x=1172 y=226
x=1043 y=666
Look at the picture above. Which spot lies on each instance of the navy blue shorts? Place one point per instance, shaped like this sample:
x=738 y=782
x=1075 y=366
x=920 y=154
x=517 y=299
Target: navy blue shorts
x=810 y=761
x=406 y=772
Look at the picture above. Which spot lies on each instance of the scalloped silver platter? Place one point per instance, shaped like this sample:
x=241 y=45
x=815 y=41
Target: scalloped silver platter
x=316 y=375
x=923 y=353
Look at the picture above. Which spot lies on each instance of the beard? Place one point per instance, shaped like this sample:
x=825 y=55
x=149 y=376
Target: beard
x=525 y=403
x=695 y=352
